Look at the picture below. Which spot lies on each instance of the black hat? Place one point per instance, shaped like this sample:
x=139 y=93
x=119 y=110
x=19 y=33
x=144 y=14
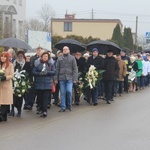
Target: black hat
x=109 y=51
x=123 y=50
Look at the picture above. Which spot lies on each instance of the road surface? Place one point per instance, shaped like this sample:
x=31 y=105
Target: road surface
x=123 y=125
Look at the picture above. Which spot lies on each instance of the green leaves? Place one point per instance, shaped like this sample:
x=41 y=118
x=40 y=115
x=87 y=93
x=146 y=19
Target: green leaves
x=21 y=83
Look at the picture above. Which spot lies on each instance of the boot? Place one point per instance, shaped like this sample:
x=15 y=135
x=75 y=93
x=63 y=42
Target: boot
x=12 y=112
x=19 y=112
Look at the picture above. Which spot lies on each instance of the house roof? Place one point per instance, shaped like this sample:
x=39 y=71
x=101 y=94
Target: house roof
x=8 y=9
x=87 y=20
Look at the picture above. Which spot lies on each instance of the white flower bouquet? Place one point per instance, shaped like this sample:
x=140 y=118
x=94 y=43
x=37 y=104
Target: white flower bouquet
x=21 y=83
x=93 y=77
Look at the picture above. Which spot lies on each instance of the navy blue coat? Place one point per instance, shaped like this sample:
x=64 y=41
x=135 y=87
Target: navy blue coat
x=43 y=82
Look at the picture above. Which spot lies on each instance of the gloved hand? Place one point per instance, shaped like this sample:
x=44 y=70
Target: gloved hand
x=43 y=73
x=3 y=78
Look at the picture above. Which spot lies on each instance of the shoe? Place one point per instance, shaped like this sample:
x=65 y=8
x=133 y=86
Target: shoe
x=108 y=102
x=18 y=115
x=59 y=104
x=38 y=111
x=27 y=107
x=112 y=99
x=70 y=109
x=62 y=110
x=120 y=95
x=44 y=114
x=101 y=97
x=55 y=103
x=85 y=98
x=77 y=103
x=88 y=101
x=95 y=104
x=12 y=113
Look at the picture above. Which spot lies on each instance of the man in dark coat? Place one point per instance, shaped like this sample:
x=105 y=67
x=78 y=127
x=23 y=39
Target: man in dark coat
x=30 y=97
x=111 y=68
x=81 y=72
x=56 y=94
x=126 y=59
x=35 y=57
x=97 y=61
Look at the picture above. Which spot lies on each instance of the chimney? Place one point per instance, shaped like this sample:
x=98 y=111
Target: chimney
x=70 y=16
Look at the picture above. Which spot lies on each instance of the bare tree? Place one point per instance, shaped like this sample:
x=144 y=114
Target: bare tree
x=142 y=41
x=45 y=14
x=34 y=24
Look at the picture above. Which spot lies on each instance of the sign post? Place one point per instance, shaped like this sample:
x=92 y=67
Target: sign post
x=147 y=37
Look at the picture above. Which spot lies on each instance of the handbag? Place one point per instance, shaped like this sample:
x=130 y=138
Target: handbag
x=53 y=84
x=132 y=75
x=53 y=88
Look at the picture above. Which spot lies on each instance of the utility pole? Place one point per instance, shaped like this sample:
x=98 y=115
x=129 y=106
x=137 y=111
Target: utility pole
x=92 y=14
x=136 y=29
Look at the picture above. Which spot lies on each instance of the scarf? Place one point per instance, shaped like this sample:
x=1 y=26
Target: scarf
x=19 y=64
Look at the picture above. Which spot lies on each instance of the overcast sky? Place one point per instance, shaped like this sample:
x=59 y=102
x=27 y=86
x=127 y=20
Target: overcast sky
x=125 y=10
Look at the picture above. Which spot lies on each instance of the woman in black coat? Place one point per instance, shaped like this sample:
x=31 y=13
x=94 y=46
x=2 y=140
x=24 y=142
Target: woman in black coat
x=44 y=72
x=19 y=65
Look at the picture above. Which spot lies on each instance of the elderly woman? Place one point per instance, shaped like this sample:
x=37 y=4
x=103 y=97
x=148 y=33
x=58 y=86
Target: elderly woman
x=6 y=89
x=43 y=72
x=19 y=65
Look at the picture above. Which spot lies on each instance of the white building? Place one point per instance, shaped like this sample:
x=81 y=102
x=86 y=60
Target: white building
x=12 y=16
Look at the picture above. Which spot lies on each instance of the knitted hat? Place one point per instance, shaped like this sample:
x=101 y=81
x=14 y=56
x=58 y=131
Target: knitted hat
x=94 y=49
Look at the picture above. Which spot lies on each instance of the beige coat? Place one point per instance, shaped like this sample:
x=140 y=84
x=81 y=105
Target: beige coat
x=122 y=70
x=6 y=88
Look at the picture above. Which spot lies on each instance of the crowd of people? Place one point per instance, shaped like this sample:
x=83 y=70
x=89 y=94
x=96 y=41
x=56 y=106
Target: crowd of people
x=122 y=73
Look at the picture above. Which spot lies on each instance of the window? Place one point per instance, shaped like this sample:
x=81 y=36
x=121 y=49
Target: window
x=67 y=26
x=7 y=27
x=20 y=2
x=14 y=26
x=21 y=28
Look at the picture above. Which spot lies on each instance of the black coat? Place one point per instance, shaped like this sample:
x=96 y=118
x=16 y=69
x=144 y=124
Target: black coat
x=128 y=63
x=81 y=64
x=27 y=68
x=135 y=66
x=98 y=62
x=111 y=68
x=32 y=60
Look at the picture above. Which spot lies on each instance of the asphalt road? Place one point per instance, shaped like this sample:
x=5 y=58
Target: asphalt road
x=123 y=125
